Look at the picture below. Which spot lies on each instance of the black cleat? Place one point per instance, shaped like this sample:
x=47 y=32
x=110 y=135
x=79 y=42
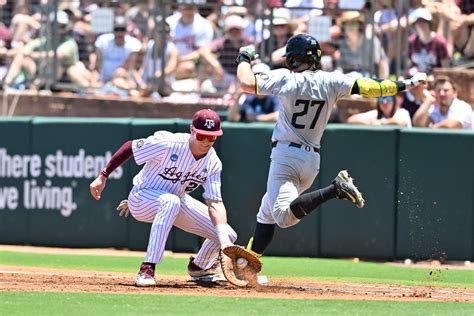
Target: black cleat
x=346 y=190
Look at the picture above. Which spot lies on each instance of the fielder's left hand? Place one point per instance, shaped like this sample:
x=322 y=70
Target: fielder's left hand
x=123 y=209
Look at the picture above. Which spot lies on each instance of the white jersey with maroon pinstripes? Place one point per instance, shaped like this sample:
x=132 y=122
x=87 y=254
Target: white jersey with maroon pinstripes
x=307 y=101
x=170 y=166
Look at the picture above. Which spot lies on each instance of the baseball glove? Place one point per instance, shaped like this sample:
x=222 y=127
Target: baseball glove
x=235 y=252
x=240 y=277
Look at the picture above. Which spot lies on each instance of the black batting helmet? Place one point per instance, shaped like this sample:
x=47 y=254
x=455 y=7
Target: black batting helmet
x=302 y=48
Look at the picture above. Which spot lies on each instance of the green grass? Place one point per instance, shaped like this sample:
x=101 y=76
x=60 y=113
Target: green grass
x=301 y=268
x=45 y=303
x=119 y=304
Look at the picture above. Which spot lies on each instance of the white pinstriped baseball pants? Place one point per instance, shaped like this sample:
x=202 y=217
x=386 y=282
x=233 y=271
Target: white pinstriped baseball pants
x=292 y=171
x=164 y=210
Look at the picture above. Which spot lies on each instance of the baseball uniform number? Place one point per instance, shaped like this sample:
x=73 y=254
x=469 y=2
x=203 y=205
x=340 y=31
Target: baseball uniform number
x=191 y=186
x=306 y=104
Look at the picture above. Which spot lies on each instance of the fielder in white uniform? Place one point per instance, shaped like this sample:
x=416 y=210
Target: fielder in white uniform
x=174 y=166
x=308 y=95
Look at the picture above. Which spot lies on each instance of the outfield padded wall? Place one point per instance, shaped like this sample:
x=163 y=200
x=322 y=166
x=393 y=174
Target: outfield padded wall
x=435 y=216
x=86 y=222
x=370 y=156
x=15 y=139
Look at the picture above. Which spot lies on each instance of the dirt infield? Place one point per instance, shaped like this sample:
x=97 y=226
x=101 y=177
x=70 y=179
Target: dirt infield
x=15 y=278
x=48 y=280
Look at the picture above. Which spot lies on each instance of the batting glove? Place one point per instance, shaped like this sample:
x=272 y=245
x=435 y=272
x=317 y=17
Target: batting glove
x=122 y=208
x=246 y=54
x=418 y=78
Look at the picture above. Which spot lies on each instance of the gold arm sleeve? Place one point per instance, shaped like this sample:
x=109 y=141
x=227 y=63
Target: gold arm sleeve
x=372 y=88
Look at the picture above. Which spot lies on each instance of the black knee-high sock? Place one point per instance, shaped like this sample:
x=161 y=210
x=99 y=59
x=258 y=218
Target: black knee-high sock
x=262 y=237
x=307 y=202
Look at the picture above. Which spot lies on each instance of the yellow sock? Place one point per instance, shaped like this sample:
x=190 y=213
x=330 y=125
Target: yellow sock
x=249 y=248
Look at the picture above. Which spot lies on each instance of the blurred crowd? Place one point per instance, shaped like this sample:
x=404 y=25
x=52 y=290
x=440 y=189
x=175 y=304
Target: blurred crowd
x=184 y=50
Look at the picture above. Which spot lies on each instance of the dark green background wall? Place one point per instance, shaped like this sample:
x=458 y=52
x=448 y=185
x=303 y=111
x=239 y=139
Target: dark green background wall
x=370 y=156
x=418 y=185
x=14 y=225
x=435 y=213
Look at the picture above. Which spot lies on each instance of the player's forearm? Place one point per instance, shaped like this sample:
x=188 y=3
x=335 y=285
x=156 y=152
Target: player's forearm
x=218 y=216
x=373 y=88
x=120 y=156
x=217 y=212
x=246 y=78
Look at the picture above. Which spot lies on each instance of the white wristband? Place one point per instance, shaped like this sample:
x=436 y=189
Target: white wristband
x=223 y=234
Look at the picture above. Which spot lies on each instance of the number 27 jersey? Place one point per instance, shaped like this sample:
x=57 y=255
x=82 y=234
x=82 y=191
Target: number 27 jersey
x=307 y=101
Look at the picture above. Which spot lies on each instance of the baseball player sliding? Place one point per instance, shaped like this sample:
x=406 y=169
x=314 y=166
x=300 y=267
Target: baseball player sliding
x=308 y=95
x=175 y=165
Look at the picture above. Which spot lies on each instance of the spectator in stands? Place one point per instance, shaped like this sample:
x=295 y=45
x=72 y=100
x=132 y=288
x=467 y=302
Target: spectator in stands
x=330 y=13
x=248 y=21
x=220 y=55
x=116 y=52
x=462 y=26
x=138 y=16
x=80 y=30
x=352 y=4
x=426 y=49
x=275 y=45
x=189 y=31
x=119 y=7
x=356 y=50
x=414 y=98
x=301 y=15
x=7 y=11
x=387 y=26
x=445 y=110
x=80 y=73
x=387 y=113
x=25 y=23
x=150 y=72
x=446 y=13
x=5 y=40
x=34 y=56
x=255 y=108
